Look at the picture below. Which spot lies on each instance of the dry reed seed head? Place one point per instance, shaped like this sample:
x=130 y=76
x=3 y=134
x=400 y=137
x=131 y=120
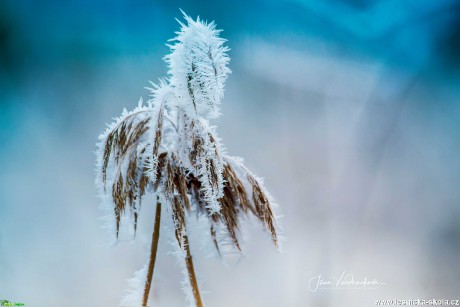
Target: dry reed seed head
x=123 y=137
x=214 y=239
x=131 y=184
x=106 y=158
x=180 y=183
x=234 y=184
x=263 y=208
x=196 y=150
x=172 y=185
x=159 y=126
x=118 y=199
x=234 y=203
x=194 y=189
x=123 y=148
x=206 y=162
x=203 y=156
x=229 y=216
x=128 y=136
x=154 y=141
x=198 y=67
x=192 y=174
x=178 y=216
x=162 y=159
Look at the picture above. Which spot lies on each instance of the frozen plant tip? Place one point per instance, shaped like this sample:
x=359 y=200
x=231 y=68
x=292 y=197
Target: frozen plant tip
x=167 y=148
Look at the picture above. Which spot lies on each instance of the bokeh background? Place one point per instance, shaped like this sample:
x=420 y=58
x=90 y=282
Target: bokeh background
x=349 y=110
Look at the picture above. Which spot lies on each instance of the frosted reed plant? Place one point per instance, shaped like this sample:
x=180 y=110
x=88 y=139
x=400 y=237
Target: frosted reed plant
x=166 y=147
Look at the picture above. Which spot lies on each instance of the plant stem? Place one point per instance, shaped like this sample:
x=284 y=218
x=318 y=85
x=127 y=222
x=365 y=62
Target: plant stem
x=153 y=253
x=191 y=274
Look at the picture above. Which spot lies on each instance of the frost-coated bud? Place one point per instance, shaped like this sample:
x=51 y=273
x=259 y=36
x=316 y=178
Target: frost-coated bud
x=198 y=68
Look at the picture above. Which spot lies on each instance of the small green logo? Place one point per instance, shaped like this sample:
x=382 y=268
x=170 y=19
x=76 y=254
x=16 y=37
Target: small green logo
x=8 y=303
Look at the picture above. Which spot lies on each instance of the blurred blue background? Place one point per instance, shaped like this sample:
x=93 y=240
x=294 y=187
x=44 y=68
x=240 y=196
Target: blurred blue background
x=349 y=110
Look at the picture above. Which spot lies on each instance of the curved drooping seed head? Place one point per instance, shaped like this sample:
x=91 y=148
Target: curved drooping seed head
x=198 y=68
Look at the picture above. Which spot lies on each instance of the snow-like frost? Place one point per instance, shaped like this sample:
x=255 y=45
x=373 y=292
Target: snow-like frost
x=133 y=296
x=198 y=68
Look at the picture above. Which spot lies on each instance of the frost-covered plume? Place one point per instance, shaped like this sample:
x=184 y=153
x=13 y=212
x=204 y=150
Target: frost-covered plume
x=198 y=68
x=167 y=147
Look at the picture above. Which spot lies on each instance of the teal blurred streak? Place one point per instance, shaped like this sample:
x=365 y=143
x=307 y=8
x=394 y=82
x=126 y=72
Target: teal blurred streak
x=47 y=33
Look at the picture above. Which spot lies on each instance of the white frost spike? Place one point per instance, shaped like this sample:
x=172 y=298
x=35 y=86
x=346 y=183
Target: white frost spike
x=198 y=68
x=161 y=93
x=152 y=148
x=133 y=297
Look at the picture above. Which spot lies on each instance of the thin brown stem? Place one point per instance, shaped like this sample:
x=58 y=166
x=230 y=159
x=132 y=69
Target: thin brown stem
x=191 y=274
x=153 y=253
